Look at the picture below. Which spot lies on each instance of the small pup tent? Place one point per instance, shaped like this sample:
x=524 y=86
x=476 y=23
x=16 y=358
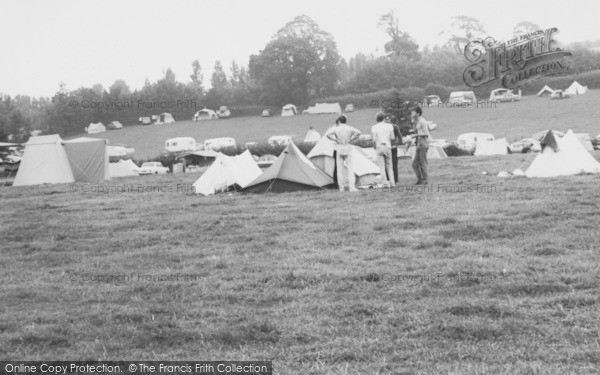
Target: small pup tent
x=576 y=89
x=124 y=168
x=323 y=108
x=495 y=147
x=266 y=113
x=292 y=171
x=96 y=128
x=545 y=91
x=289 y=110
x=227 y=171
x=562 y=156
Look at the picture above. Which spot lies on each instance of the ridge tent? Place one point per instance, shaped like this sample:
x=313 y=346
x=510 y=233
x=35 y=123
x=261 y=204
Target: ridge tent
x=289 y=110
x=545 y=91
x=323 y=108
x=562 y=156
x=227 y=171
x=95 y=128
x=44 y=162
x=292 y=171
x=576 y=89
x=495 y=147
x=123 y=168
x=88 y=158
x=205 y=114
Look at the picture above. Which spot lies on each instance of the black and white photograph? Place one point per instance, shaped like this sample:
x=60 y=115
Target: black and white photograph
x=211 y=187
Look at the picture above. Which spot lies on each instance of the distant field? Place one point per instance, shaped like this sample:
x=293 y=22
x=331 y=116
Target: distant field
x=499 y=279
x=512 y=120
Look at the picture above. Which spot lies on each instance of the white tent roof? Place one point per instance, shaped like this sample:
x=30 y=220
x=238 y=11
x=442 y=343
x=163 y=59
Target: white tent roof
x=495 y=147
x=321 y=108
x=545 y=89
x=96 y=128
x=576 y=89
x=227 y=171
x=289 y=110
x=312 y=136
x=123 y=168
x=569 y=159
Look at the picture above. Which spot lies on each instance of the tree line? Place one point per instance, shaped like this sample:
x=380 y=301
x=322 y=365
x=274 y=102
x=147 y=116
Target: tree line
x=299 y=65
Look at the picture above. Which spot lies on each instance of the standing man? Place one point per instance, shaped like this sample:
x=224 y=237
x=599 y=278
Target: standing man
x=383 y=135
x=422 y=141
x=395 y=143
x=342 y=135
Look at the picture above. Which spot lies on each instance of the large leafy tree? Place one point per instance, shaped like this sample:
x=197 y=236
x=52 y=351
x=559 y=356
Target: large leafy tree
x=401 y=43
x=463 y=30
x=299 y=63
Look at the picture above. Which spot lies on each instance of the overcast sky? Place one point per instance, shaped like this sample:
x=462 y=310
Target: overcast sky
x=85 y=42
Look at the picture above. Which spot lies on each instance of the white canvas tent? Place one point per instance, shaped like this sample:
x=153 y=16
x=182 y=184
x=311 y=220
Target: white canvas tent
x=96 y=128
x=124 y=168
x=289 y=110
x=266 y=113
x=205 y=114
x=562 y=156
x=44 y=162
x=312 y=136
x=49 y=159
x=576 y=89
x=495 y=147
x=227 y=171
x=323 y=108
x=545 y=91
x=164 y=118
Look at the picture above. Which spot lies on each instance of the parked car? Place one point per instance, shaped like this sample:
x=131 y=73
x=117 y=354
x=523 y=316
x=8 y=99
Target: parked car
x=460 y=97
x=504 y=95
x=432 y=100
x=153 y=167
x=525 y=145
x=559 y=94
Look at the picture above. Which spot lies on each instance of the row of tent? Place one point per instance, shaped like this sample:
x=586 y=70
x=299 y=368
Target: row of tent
x=319 y=108
x=575 y=89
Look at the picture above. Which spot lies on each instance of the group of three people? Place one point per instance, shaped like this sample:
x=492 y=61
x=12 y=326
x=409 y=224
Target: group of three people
x=386 y=139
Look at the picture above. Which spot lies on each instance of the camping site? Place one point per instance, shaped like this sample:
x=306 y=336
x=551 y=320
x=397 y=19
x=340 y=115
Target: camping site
x=490 y=268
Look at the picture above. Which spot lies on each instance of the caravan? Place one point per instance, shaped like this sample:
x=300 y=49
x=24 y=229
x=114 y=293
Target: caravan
x=179 y=144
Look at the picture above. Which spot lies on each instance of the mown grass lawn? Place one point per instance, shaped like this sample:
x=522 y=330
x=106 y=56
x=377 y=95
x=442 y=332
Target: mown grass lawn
x=501 y=281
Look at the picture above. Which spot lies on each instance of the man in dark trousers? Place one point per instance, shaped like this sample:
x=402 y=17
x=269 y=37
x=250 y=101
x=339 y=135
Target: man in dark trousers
x=397 y=142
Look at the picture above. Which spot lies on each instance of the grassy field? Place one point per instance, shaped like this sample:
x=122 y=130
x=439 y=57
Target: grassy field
x=478 y=275
x=512 y=120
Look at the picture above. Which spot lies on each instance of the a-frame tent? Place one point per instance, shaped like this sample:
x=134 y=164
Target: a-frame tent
x=292 y=171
